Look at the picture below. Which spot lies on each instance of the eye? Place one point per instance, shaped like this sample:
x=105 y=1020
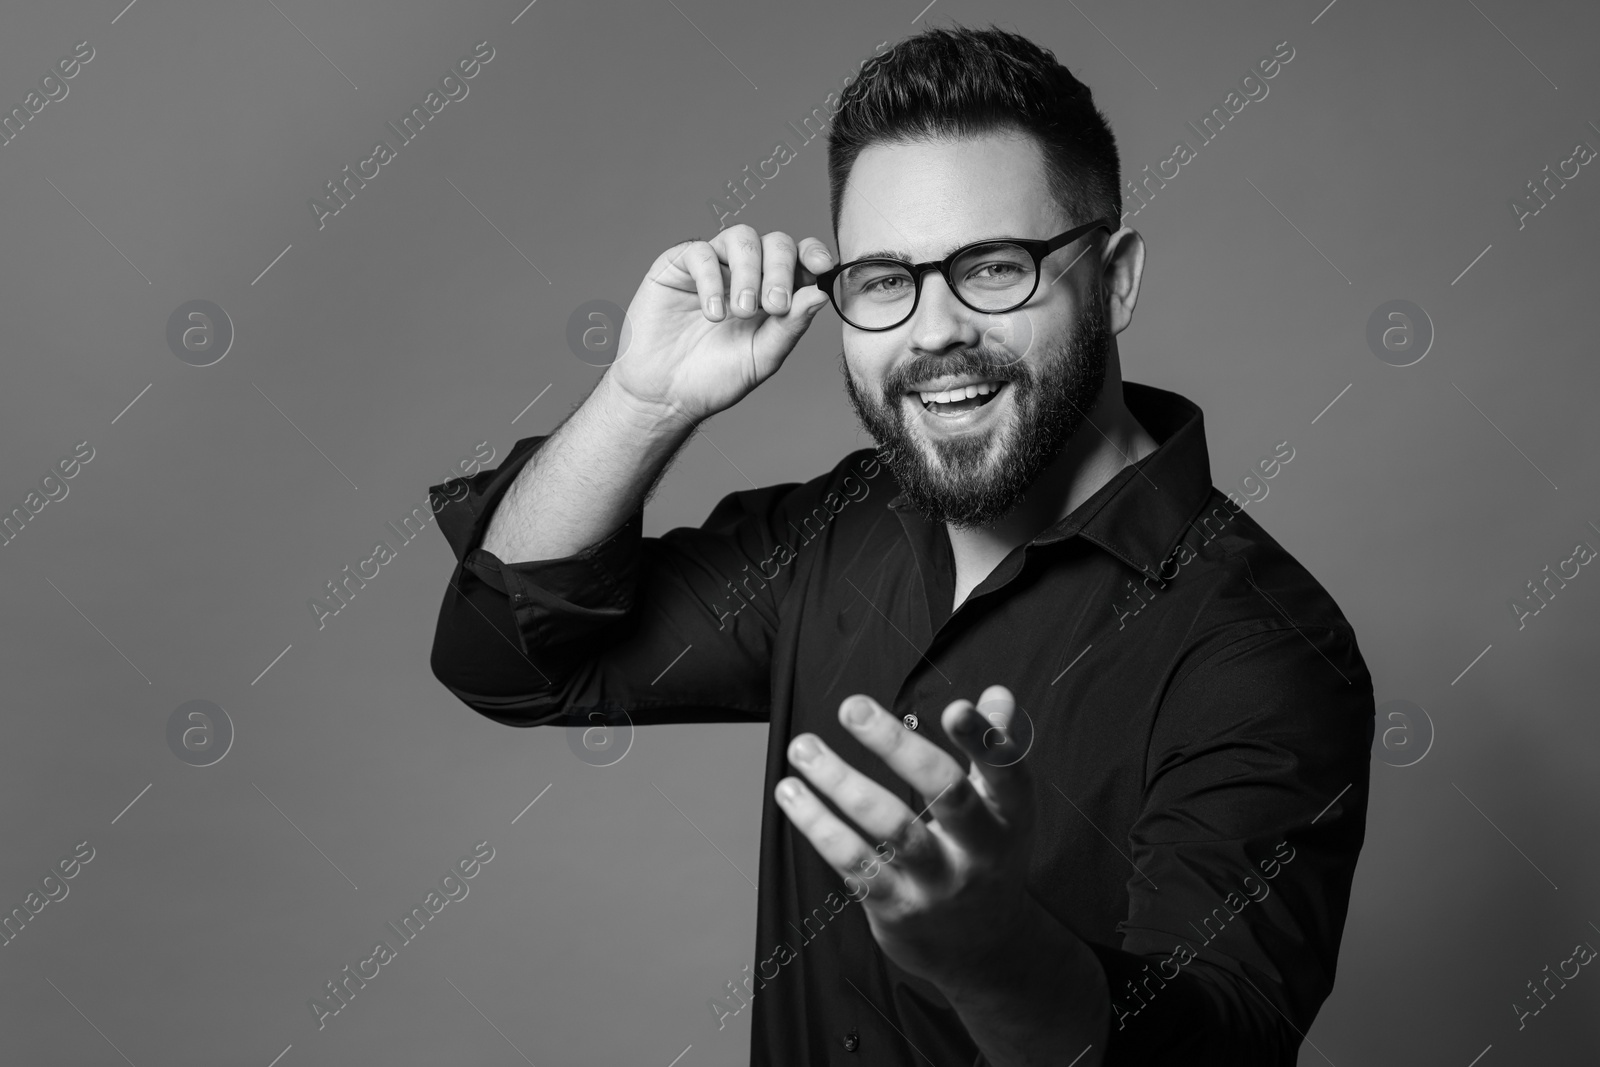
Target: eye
x=999 y=270
x=887 y=284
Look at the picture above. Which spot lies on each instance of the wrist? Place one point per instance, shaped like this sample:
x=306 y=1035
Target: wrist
x=651 y=418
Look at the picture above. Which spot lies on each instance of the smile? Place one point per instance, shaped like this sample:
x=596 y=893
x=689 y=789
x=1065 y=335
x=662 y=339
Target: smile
x=955 y=401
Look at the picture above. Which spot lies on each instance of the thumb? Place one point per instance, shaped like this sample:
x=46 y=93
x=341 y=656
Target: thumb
x=776 y=337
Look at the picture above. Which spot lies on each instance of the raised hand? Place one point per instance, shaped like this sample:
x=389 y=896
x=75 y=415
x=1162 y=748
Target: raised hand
x=714 y=319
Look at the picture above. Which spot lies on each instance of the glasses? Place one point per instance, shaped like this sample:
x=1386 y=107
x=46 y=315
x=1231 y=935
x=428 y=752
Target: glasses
x=991 y=277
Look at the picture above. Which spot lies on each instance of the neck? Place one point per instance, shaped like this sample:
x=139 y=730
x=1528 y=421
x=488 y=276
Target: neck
x=1109 y=439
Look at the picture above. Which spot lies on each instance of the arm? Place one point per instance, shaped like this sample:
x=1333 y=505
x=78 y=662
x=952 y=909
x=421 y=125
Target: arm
x=1255 y=812
x=686 y=353
x=590 y=475
x=557 y=602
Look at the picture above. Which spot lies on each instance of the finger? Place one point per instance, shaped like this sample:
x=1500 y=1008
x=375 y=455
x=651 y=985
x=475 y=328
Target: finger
x=741 y=248
x=704 y=266
x=883 y=816
x=838 y=845
x=929 y=769
x=990 y=734
x=814 y=258
x=776 y=337
x=778 y=255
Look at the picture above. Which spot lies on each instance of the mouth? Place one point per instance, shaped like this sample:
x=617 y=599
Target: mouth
x=953 y=401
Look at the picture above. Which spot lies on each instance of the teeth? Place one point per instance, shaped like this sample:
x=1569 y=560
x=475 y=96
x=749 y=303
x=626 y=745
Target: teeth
x=960 y=393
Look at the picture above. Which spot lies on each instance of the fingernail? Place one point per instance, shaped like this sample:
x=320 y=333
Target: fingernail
x=789 y=789
x=715 y=306
x=779 y=297
x=857 y=712
x=747 y=299
x=804 y=749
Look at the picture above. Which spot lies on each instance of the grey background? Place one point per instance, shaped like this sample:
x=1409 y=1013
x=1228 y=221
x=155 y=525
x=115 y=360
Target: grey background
x=408 y=330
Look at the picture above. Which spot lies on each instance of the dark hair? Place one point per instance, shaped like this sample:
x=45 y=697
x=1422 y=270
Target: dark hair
x=963 y=82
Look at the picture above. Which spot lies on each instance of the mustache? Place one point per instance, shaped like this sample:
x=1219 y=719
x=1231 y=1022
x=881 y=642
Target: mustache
x=993 y=365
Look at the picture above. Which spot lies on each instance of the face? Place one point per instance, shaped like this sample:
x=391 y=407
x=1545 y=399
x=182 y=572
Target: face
x=1035 y=372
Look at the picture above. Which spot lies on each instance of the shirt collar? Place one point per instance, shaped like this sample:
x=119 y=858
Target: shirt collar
x=1144 y=510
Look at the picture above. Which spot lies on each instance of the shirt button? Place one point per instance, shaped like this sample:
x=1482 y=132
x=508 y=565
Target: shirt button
x=910 y=721
x=852 y=1041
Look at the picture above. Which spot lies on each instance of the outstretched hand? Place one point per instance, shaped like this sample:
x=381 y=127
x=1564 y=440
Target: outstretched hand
x=944 y=901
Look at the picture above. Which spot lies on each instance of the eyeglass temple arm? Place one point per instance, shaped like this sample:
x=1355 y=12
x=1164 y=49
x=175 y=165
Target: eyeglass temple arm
x=1073 y=234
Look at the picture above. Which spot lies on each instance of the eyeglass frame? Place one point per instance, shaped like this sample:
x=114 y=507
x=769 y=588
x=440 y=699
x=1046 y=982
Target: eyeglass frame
x=1038 y=249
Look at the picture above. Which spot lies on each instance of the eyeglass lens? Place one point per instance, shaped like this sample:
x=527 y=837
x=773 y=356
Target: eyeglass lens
x=990 y=277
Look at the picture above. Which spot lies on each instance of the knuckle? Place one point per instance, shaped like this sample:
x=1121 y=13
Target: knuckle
x=779 y=242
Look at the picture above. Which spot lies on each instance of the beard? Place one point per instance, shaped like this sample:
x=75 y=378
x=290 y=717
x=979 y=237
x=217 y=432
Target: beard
x=974 y=480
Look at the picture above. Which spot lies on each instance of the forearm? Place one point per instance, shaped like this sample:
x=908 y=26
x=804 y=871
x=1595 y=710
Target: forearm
x=1041 y=999
x=593 y=472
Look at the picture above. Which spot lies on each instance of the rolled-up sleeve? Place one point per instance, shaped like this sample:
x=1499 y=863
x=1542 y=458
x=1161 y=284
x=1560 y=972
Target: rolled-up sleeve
x=1255 y=811
x=678 y=628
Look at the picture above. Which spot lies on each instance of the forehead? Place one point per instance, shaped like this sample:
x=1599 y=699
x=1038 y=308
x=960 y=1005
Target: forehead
x=919 y=200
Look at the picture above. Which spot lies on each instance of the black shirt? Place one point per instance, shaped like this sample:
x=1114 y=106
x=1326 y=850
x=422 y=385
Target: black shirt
x=1201 y=720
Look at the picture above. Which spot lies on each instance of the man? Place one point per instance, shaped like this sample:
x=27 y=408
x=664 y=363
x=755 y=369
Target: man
x=1137 y=847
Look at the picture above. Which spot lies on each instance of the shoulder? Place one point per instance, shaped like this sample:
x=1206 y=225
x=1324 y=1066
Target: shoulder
x=1248 y=592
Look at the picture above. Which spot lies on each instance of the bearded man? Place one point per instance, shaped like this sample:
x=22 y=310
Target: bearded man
x=1068 y=758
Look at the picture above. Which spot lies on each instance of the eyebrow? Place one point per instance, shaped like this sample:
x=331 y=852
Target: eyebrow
x=895 y=253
